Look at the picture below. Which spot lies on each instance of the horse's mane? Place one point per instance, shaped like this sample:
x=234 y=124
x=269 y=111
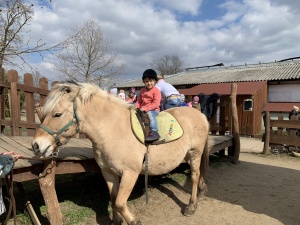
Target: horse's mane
x=83 y=91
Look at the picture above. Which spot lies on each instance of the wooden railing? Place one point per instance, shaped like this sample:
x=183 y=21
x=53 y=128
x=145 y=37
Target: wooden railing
x=280 y=132
x=17 y=125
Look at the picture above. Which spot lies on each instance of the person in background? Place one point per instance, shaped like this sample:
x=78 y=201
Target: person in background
x=122 y=94
x=131 y=97
x=294 y=112
x=194 y=101
x=182 y=98
x=149 y=101
x=170 y=96
x=113 y=91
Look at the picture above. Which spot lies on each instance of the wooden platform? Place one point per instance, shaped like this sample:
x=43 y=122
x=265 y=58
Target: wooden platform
x=75 y=157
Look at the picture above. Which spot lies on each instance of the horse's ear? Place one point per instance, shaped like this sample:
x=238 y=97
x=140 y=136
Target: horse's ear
x=70 y=91
x=66 y=89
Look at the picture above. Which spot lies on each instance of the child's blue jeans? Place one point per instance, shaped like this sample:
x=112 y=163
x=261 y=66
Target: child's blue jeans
x=152 y=118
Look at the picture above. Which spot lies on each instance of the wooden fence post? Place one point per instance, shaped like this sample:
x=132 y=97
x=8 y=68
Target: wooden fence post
x=235 y=133
x=267 y=133
x=14 y=103
x=47 y=185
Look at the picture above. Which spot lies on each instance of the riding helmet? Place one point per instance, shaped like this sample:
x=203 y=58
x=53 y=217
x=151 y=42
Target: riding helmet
x=149 y=73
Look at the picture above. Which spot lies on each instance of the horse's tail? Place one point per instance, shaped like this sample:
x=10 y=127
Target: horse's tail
x=204 y=159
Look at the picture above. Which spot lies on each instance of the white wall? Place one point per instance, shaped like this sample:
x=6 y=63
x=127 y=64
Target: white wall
x=284 y=93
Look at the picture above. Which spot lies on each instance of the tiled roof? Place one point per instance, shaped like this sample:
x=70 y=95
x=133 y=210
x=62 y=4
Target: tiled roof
x=243 y=88
x=258 y=72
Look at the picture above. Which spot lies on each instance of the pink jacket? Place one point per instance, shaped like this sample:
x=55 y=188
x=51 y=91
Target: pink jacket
x=130 y=100
x=149 y=99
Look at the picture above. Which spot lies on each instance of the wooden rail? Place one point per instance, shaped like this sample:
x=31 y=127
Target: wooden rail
x=282 y=132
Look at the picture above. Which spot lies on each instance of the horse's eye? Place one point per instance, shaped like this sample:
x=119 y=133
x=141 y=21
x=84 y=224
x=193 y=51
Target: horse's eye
x=57 y=114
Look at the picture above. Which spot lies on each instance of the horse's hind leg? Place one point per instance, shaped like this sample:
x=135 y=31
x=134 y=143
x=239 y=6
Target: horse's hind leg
x=195 y=176
x=202 y=188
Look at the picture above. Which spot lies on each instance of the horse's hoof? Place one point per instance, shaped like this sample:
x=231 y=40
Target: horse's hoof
x=201 y=197
x=138 y=222
x=118 y=222
x=190 y=210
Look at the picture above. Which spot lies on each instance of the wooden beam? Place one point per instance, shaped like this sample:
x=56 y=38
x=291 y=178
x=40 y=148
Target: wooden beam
x=220 y=146
x=235 y=123
x=62 y=167
x=47 y=185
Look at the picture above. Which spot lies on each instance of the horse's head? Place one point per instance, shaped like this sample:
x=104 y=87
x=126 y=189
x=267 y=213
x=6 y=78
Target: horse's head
x=59 y=118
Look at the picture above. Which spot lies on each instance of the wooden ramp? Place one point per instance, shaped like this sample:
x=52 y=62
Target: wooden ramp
x=75 y=157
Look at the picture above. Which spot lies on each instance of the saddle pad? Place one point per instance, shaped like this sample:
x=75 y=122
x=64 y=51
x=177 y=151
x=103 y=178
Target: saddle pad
x=168 y=127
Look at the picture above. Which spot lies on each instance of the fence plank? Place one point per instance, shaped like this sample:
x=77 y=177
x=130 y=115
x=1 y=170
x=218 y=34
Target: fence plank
x=14 y=102
x=29 y=103
x=43 y=83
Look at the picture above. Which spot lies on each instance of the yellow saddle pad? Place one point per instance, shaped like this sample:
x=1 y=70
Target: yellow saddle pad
x=168 y=128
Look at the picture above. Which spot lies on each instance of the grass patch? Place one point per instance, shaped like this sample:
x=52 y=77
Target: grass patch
x=75 y=214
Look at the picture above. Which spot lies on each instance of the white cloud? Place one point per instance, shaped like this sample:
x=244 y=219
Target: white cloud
x=187 y=6
x=248 y=32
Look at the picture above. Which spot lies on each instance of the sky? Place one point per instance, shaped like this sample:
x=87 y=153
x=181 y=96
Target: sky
x=200 y=32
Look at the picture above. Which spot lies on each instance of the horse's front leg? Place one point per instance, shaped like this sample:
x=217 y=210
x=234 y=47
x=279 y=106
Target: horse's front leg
x=113 y=182
x=127 y=183
x=195 y=175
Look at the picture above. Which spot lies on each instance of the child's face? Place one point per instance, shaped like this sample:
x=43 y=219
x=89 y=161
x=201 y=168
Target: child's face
x=149 y=83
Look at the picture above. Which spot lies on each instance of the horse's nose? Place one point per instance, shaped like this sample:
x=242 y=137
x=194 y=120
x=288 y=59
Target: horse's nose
x=35 y=147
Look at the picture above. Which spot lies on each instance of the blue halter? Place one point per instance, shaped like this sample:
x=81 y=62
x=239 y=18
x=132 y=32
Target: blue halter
x=55 y=135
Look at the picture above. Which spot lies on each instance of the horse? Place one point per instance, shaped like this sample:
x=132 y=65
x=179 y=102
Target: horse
x=105 y=120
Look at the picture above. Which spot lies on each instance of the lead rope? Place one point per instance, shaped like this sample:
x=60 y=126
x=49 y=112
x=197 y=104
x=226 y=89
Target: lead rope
x=145 y=157
x=12 y=201
x=146 y=174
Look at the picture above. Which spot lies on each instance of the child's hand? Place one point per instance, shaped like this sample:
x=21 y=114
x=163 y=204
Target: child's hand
x=12 y=153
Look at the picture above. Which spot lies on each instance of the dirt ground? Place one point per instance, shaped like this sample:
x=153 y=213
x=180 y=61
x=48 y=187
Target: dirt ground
x=259 y=190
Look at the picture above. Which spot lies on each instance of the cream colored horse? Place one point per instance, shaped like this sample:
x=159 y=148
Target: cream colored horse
x=105 y=120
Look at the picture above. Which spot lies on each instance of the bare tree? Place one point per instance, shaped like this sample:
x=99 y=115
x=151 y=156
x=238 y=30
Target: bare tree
x=14 y=16
x=88 y=57
x=168 y=64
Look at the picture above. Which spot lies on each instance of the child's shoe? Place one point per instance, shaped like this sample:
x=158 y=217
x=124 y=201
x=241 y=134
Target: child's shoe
x=153 y=136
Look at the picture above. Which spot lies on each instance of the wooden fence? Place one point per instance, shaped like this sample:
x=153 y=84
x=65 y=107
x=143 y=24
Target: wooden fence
x=19 y=127
x=280 y=132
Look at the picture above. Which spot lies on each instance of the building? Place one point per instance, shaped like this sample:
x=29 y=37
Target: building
x=273 y=87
